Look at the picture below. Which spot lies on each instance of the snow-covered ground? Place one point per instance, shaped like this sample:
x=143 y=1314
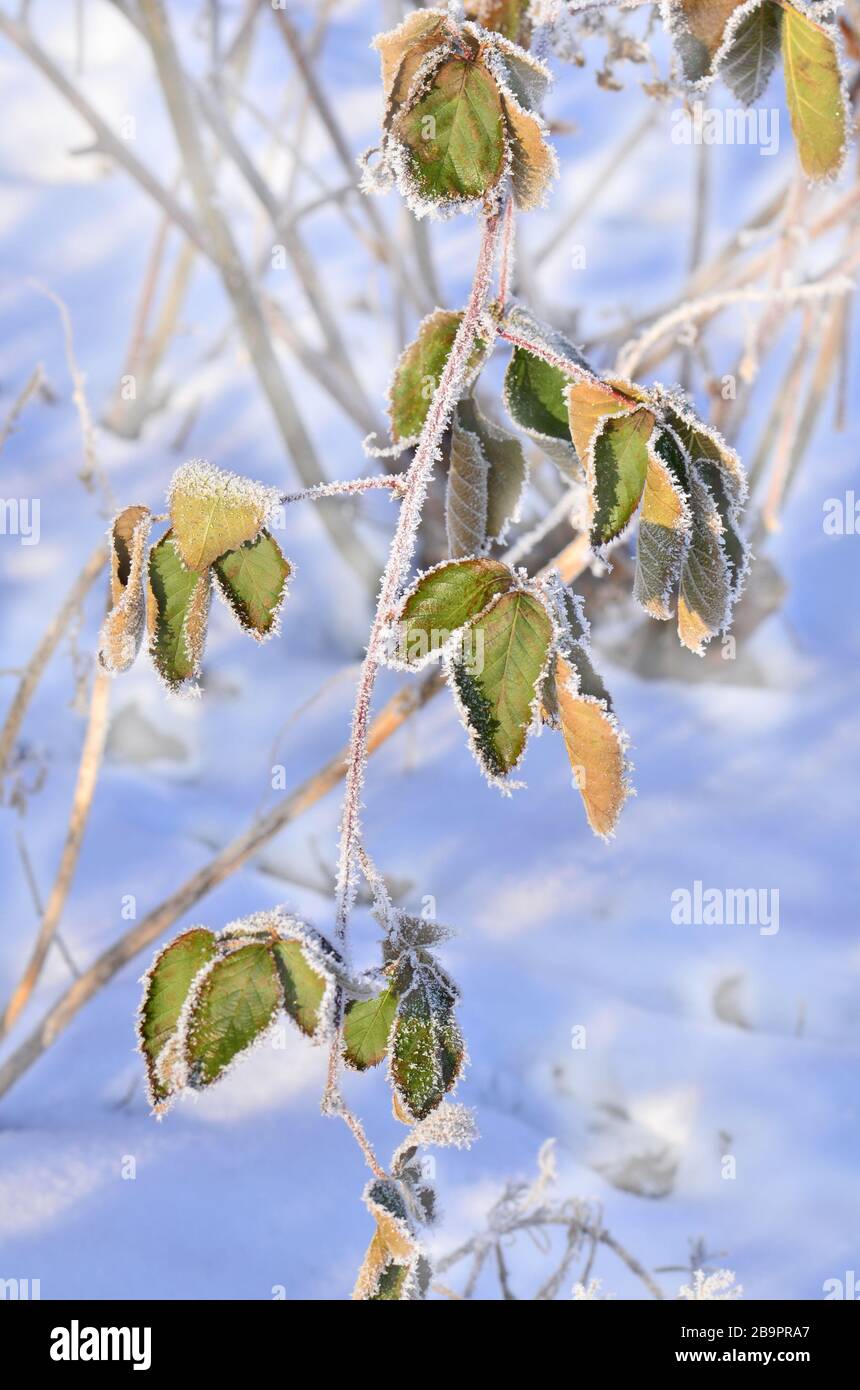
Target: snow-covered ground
x=702 y=1042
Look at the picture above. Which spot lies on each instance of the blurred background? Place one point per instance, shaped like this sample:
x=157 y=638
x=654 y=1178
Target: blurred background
x=120 y=357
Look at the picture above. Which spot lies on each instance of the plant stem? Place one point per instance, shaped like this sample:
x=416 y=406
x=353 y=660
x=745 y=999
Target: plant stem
x=399 y=559
x=392 y=482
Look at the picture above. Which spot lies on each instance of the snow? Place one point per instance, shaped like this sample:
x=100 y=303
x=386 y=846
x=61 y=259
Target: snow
x=247 y=1189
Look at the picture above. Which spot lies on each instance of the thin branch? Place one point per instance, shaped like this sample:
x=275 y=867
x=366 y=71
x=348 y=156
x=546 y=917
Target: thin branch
x=33 y=384
x=633 y=354
x=392 y=482
x=91 y=472
x=238 y=284
x=85 y=785
x=41 y=656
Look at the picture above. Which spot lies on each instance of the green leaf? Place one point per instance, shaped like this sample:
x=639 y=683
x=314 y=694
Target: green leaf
x=166 y=986
x=747 y=67
x=617 y=473
x=735 y=547
x=589 y=405
x=535 y=391
x=253 y=581
x=455 y=133
x=720 y=469
x=124 y=626
x=178 y=609
x=534 y=395
x=417 y=374
x=427 y=1050
x=233 y=1005
x=367 y=1028
x=664 y=529
x=442 y=601
x=390 y=1286
x=213 y=511
x=704 y=599
x=813 y=84
x=509 y=645
x=304 y=988
x=507 y=468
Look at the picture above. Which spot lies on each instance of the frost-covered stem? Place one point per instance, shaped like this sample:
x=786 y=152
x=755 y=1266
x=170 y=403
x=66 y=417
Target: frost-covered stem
x=357 y=1129
x=393 y=482
x=555 y=359
x=400 y=557
x=634 y=352
x=396 y=570
x=506 y=255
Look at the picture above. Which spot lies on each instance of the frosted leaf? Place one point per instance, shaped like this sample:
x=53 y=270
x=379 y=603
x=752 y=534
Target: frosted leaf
x=466 y=494
x=573 y=639
x=533 y=160
x=665 y=526
x=816 y=94
x=525 y=75
x=704 y=33
x=165 y=988
x=507 y=472
x=752 y=53
x=705 y=595
x=534 y=387
x=427 y=1049
x=124 y=626
x=402 y=50
x=213 y=511
x=253 y=582
x=596 y=748
x=177 y=611
x=497 y=680
x=233 y=1003
x=367 y=1028
x=394 y=1268
x=439 y=604
x=420 y=368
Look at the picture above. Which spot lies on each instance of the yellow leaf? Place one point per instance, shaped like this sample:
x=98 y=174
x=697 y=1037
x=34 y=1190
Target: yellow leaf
x=588 y=405
x=813 y=85
x=213 y=511
x=595 y=748
x=123 y=628
x=533 y=161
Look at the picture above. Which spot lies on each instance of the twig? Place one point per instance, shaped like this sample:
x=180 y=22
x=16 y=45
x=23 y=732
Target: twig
x=39 y=660
x=633 y=353
x=392 y=482
x=30 y=875
x=91 y=471
x=238 y=284
x=85 y=785
x=34 y=383
x=399 y=560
